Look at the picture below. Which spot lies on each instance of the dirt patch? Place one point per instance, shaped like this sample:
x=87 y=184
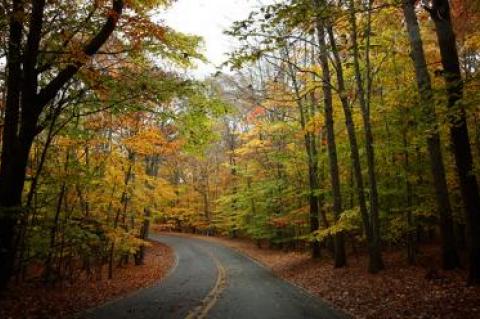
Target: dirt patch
x=34 y=301
x=401 y=291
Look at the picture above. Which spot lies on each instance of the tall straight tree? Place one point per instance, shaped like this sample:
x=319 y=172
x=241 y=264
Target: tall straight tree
x=450 y=258
x=440 y=13
x=340 y=258
x=312 y=154
x=354 y=150
x=25 y=102
x=376 y=262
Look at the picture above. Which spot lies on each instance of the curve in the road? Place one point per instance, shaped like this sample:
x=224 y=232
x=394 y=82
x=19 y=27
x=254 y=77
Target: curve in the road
x=213 y=281
x=210 y=300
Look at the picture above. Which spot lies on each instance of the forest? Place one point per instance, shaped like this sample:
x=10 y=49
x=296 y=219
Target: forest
x=337 y=128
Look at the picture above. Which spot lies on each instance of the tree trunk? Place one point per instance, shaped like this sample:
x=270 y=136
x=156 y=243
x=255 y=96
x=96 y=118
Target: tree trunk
x=310 y=146
x=151 y=164
x=145 y=230
x=47 y=275
x=20 y=129
x=340 y=259
x=10 y=186
x=411 y=243
x=440 y=13
x=376 y=262
x=450 y=258
x=311 y=151
x=354 y=152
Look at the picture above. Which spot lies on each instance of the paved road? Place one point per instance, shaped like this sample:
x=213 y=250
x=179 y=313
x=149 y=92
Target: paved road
x=212 y=281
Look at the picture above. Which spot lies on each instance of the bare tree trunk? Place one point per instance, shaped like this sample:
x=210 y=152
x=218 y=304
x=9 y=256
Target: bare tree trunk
x=376 y=261
x=54 y=229
x=310 y=149
x=354 y=152
x=459 y=136
x=411 y=243
x=450 y=258
x=11 y=166
x=340 y=258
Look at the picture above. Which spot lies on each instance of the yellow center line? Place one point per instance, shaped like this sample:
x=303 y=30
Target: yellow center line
x=201 y=311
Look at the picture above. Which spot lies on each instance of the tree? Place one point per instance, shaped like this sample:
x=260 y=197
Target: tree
x=376 y=262
x=459 y=136
x=25 y=102
x=51 y=73
x=340 y=256
x=450 y=258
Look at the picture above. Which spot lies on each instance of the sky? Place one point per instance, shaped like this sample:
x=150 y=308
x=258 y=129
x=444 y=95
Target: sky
x=208 y=18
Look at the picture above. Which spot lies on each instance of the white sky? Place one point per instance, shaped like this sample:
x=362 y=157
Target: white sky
x=208 y=18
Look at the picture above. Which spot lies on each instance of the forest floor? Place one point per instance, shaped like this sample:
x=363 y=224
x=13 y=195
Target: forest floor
x=32 y=300
x=400 y=291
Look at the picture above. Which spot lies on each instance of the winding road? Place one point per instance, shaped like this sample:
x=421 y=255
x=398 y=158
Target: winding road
x=210 y=280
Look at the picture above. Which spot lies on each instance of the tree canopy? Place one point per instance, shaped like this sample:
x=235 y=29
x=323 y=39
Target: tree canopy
x=334 y=127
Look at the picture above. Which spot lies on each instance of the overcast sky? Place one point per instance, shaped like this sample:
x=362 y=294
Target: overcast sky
x=208 y=18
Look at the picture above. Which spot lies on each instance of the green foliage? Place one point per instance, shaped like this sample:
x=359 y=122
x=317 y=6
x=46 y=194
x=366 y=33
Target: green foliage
x=348 y=222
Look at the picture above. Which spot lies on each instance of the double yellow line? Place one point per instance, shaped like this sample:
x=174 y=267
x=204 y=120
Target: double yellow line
x=201 y=311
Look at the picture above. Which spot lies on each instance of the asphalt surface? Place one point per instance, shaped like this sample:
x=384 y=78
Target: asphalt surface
x=212 y=281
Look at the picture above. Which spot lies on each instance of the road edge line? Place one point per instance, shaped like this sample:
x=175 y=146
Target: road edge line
x=88 y=311
x=305 y=291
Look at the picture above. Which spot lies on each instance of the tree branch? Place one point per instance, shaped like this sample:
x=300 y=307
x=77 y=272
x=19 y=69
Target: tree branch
x=49 y=92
